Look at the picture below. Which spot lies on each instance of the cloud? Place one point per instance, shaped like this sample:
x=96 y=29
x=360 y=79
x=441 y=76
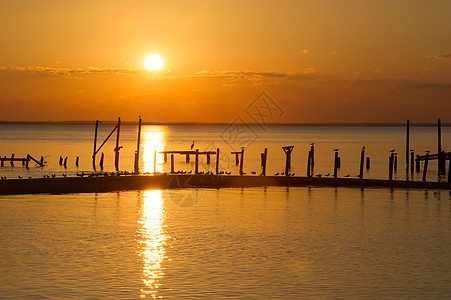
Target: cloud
x=443 y=56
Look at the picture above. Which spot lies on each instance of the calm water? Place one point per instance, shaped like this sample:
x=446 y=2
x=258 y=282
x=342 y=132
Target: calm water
x=253 y=243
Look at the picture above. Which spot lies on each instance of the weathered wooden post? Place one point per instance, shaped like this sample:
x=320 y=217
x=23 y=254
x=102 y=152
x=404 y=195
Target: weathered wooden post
x=312 y=158
x=172 y=163
x=237 y=161
x=155 y=162
x=165 y=157
x=196 y=160
x=442 y=162
x=390 y=166
x=265 y=157
x=412 y=162
x=262 y=158
x=208 y=158
x=116 y=150
x=335 y=163
x=61 y=161
x=138 y=147
x=12 y=160
x=187 y=157
x=65 y=162
x=241 y=161
x=217 y=161
x=101 y=161
x=417 y=163
x=42 y=161
x=309 y=163
x=288 y=150
x=425 y=168
x=95 y=146
x=362 y=161
x=27 y=161
x=2 y=162
x=407 y=143
x=77 y=160
x=368 y=163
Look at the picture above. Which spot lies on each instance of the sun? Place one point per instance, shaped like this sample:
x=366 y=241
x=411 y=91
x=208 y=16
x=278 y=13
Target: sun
x=153 y=63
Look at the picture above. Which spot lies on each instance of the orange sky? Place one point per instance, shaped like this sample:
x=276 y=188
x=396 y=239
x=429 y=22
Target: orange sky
x=320 y=61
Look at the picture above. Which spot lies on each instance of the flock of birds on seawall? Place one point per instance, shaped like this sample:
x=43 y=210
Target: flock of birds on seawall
x=121 y=173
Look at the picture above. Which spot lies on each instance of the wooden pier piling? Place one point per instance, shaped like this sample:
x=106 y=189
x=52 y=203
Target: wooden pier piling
x=102 y=157
x=241 y=160
x=309 y=163
x=237 y=160
x=449 y=172
x=288 y=150
x=425 y=168
x=208 y=158
x=196 y=162
x=407 y=142
x=362 y=161
x=187 y=156
x=417 y=163
x=390 y=166
x=117 y=148
x=368 y=165
x=12 y=160
x=335 y=163
x=172 y=164
x=61 y=161
x=395 y=163
x=217 y=161
x=312 y=156
x=77 y=161
x=412 y=162
x=94 y=152
x=264 y=160
x=65 y=162
x=138 y=146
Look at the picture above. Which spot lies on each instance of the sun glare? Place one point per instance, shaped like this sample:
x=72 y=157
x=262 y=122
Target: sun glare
x=153 y=63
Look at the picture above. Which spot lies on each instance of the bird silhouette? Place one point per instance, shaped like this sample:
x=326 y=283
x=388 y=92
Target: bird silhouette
x=318 y=175
x=392 y=150
x=328 y=174
x=293 y=174
x=228 y=173
x=192 y=145
x=335 y=149
x=312 y=144
x=282 y=173
x=277 y=174
x=20 y=177
x=347 y=175
x=363 y=148
x=253 y=172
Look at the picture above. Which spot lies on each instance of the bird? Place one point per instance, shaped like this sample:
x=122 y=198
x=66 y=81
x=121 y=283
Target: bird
x=312 y=144
x=228 y=173
x=253 y=172
x=20 y=177
x=363 y=148
x=64 y=175
x=192 y=145
x=347 y=175
x=282 y=173
x=319 y=175
x=293 y=174
x=335 y=150
x=277 y=174
x=328 y=174
x=392 y=150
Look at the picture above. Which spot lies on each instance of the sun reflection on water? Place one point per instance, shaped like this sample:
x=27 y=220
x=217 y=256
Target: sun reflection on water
x=152 y=241
x=152 y=140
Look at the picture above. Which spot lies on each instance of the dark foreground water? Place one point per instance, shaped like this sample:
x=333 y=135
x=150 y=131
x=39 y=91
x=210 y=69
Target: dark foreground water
x=253 y=243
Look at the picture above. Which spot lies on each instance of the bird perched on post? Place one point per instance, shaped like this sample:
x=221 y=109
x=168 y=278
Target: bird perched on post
x=192 y=145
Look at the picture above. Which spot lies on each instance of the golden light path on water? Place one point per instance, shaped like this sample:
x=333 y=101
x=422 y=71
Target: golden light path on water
x=152 y=241
x=153 y=140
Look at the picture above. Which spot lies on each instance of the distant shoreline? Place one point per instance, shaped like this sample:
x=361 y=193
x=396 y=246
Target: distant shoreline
x=223 y=124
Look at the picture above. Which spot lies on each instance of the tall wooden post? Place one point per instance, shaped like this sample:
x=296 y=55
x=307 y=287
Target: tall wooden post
x=335 y=164
x=439 y=136
x=312 y=158
x=449 y=172
x=237 y=160
x=95 y=145
x=288 y=150
x=368 y=165
x=309 y=163
x=407 y=142
x=412 y=162
x=116 y=150
x=425 y=169
x=241 y=161
x=138 y=147
x=196 y=162
x=217 y=161
x=187 y=158
x=362 y=161
x=172 y=163
x=208 y=158
x=265 y=156
x=27 y=161
x=417 y=163
x=395 y=162
x=77 y=161
x=390 y=166
x=65 y=162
